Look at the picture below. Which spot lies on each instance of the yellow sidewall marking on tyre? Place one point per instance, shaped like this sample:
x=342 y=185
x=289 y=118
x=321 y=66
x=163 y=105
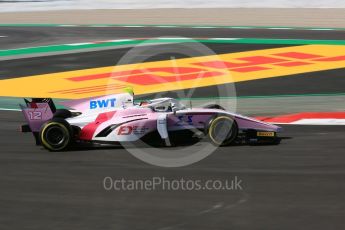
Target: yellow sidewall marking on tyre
x=45 y=143
x=214 y=122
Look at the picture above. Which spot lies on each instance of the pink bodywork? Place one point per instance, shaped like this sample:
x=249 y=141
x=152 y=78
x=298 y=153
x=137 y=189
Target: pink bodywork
x=128 y=124
x=145 y=120
x=36 y=115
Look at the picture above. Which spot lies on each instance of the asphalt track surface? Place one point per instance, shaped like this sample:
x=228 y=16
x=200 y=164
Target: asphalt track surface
x=18 y=37
x=295 y=185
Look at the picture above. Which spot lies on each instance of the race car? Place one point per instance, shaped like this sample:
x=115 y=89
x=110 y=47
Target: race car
x=117 y=119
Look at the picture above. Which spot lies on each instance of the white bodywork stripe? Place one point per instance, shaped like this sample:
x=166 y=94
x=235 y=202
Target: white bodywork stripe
x=319 y=122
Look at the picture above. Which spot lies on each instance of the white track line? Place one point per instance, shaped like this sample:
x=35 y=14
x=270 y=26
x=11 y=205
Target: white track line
x=5 y=109
x=321 y=29
x=243 y=27
x=319 y=122
x=80 y=44
x=308 y=121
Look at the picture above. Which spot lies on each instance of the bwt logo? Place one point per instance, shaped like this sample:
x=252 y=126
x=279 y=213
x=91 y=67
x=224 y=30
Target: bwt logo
x=108 y=103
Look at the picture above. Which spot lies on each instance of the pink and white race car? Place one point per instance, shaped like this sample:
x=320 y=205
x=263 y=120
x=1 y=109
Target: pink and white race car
x=116 y=119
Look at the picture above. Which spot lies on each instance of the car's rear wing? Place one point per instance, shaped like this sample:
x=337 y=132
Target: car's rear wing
x=36 y=112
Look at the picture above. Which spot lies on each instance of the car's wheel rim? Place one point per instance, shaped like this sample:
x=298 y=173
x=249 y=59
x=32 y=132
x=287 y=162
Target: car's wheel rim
x=222 y=130
x=55 y=136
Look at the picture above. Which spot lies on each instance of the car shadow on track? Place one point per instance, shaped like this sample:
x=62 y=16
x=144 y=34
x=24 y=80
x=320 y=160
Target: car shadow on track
x=176 y=144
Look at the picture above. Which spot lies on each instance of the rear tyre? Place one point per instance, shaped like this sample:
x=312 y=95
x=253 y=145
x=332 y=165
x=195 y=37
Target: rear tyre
x=222 y=131
x=56 y=135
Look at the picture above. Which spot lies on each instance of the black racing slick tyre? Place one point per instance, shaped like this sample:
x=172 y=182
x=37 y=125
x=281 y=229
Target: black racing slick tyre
x=56 y=135
x=222 y=131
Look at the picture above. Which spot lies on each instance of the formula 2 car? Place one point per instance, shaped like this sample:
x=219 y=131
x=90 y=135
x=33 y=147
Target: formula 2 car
x=116 y=119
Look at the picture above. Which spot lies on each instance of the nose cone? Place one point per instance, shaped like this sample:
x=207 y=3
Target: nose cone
x=276 y=128
x=270 y=127
x=280 y=129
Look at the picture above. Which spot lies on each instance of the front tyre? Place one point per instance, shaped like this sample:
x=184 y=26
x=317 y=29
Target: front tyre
x=56 y=135
x=222 y=131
